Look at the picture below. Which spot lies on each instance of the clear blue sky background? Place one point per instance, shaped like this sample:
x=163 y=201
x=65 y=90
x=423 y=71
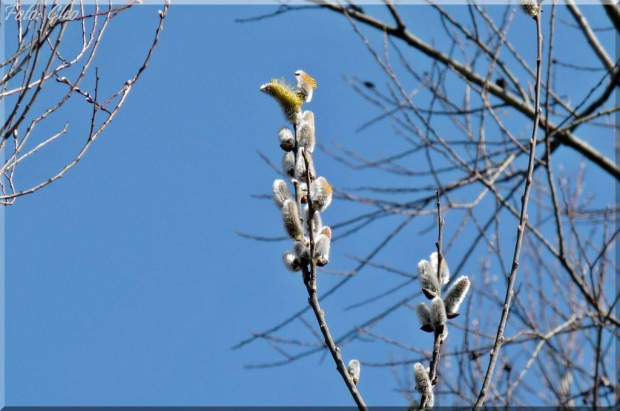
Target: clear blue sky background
x=126 y=283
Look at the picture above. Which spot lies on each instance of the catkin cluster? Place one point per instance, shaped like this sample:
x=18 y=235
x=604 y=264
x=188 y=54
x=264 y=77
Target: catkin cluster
x=434 y=318
x=312 y=194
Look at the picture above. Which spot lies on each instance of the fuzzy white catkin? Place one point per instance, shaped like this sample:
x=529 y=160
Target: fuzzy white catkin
x=291 y=261
x=321 y=249
x=456 y=294
x=290 y=217
x=302 y=250
x=306 y=134
x=300 y=166
x=287 y=139
x=424 y=314
x=354 y=369
x=444 y=275
x=438 y=313
x=288 y=163
x=317 y=222
x=422 y=381
x=428 y=279
x=321 y=194
x=281 y=192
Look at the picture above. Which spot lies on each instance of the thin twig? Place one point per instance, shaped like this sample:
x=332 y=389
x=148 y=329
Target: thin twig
x=520 y=229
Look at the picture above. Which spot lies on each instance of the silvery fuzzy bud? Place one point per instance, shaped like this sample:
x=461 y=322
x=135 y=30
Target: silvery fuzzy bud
x=302 y=249
x=321 y=194
x=422 y=380
x=281 y=192
x=444 y=333
x=300 y=166
x=455 y=296
x=317 y=222
x=306 y=133
x=287 y=139
x=530 y=7
x=438 y=313
x=322 y=246
x=444 y=275
x=424 y=316
x=354 y=369
x=291 y=261
x=292 y=223
x=302 y=189
x=428 y=279
x=288 y=163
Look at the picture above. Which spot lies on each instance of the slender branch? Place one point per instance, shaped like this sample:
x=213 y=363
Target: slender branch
x=313 y=299
x=520 y=229
x=438 y=332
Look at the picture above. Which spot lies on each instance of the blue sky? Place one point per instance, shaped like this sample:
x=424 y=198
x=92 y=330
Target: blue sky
x=126 y=283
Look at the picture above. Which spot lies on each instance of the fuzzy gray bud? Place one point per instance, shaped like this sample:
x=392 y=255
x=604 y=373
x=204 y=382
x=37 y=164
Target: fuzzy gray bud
x=438 y=313
x=444 y=275
x=321 y=249
x=281 y=192
x=300 y=166
x=302 y=249
x=291 y=261
x=354 y=369
x=321 y=194
x=455 y=296
x=288 y=163
x=287 y=139
x=292 y=223
x=306 y=132
x=317 y=222
x=428 y=279
x=424 y=316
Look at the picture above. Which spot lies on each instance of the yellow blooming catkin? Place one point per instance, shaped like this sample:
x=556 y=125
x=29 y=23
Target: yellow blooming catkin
x=286 y=96
x=305 y=85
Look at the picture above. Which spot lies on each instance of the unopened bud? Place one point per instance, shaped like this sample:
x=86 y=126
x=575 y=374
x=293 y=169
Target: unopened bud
x=292 y=223
x=281 y=192
x=354 y=369
x=428 y=279
x=455 y=296
x=287 y=139
x=321 y=194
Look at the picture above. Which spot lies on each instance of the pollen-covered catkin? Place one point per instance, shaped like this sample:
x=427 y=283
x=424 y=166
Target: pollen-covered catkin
x=321 y=194
x=305 y=85
x=289 y=99
x=455 y=296
x=292 y=223
x=530 y=7
x=281 y=192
